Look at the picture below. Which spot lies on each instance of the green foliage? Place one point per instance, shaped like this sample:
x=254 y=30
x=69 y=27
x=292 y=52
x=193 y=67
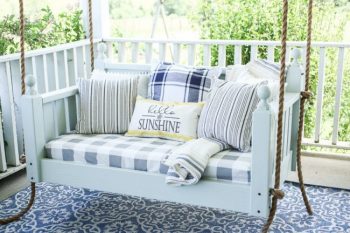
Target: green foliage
x=261 y=20
x=46 y=31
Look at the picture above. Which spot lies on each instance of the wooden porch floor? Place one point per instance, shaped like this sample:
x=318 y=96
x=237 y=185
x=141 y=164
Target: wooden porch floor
x=317 y=171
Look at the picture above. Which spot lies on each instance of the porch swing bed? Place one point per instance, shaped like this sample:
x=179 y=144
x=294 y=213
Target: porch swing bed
x=233 y=180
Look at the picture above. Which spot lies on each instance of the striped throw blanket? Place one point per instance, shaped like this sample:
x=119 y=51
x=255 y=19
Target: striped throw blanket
x=188 y=161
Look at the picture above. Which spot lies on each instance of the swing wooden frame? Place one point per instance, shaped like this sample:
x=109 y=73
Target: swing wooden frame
x=42 y=115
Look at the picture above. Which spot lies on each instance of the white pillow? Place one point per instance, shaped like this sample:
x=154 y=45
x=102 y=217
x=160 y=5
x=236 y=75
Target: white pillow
x=170 y=120
x=236 y=72
x=264 y=69
x=241 y=74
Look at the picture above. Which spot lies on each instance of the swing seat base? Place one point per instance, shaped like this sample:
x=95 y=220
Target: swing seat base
x=223 y=195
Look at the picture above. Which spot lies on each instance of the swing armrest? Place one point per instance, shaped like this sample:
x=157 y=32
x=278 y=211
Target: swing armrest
x=59 y=94
x=264 y=133
x=45 y=117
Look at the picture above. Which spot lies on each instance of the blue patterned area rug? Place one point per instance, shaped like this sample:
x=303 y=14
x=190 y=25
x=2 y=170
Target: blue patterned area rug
x=66 y=209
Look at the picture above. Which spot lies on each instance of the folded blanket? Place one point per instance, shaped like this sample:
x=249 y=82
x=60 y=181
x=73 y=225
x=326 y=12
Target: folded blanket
x=188 y=161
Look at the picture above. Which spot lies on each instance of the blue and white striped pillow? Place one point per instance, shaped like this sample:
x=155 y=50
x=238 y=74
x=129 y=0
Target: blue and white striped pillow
x=228 y=115
x=170 y=82
x=106 y=104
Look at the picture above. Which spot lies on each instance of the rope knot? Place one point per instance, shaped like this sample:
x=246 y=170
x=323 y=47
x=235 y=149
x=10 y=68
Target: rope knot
x=279 y=194
x=305 y=94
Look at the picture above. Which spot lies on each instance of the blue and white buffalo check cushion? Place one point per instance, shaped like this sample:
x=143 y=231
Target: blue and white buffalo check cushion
x=170 y=82
x=142 y=154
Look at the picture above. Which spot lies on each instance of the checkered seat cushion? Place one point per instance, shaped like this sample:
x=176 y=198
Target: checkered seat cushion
x=142 y=154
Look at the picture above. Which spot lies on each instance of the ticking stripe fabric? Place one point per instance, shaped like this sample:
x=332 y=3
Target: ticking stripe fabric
x=170 y=82
x=188 y=161
x=106 y=105
x=143 y=78
x=143 y=154
x=228 y=114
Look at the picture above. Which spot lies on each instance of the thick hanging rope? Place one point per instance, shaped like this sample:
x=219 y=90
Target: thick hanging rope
x=23 y=73
x=91 y=37
x=22 y=59
x=23 y=211
x=304 y=96
x=276 y=192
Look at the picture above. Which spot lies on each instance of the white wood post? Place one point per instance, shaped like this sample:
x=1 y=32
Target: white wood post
x=33 y=127
x=101 y=56
x=295 y=70
x=295 y=85
x=100 y=15
x=263 y=142
x=7 y=97
x=3 y=166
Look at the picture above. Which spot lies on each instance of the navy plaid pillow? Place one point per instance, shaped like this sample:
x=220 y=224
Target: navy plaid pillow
x=170 y=82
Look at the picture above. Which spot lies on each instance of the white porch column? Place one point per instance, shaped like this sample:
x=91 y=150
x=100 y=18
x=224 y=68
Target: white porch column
x=100 y=15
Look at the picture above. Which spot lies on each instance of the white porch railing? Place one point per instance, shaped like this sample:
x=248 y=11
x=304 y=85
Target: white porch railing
x=58 y=67
x=55 y=68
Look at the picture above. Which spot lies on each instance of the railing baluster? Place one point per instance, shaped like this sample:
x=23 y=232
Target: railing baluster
x=10 y=131
x=289 y=130
x=338 y=92
x=121 y=52
x=110 y=50
x=75 y=62
x=3 y=166
x=162 y=51
x=55 y=65
x=135 y=51
x=271 y=53
x=66 y=67
x=303 y=62
x=77 y=106
x=84 y=61
x=177 y=52
x=253 y=52
x=66 y=112
x=35 y=73
x=55 y=119
x=46 y=79
x=207 y=55
x=191 y=54
x=149 y=52
x=238 y=54
x=321 y=77
x=222 y=55
x=284 y=137
x=288 y=54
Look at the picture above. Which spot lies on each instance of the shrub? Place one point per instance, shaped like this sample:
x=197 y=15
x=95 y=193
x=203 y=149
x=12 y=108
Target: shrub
x=46 y=31
x=261 y=20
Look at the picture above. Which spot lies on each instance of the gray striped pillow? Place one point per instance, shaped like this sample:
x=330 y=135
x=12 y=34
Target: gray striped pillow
x=106 y=105
x=228 y=114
